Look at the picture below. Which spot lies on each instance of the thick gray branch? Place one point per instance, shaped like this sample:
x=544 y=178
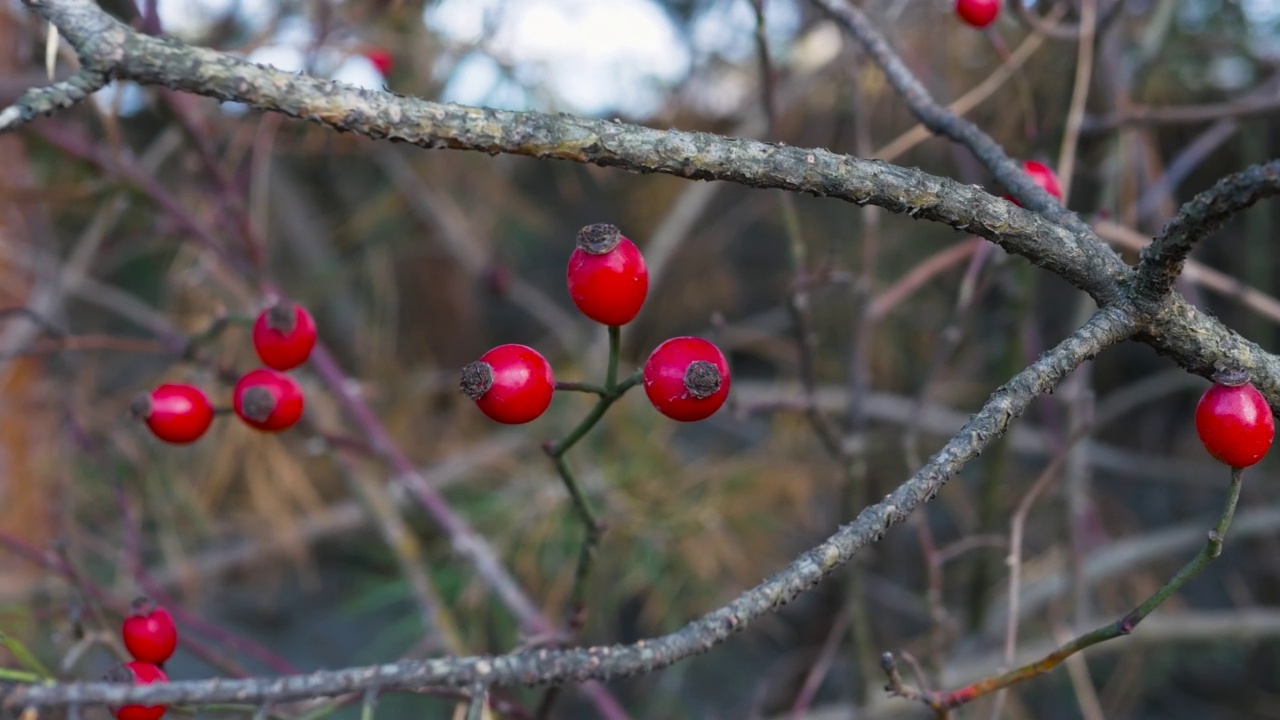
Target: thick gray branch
x=1108 y=327
x=1081 y=258
x=1162 y=260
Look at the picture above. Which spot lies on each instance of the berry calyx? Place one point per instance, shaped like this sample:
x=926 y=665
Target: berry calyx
x=511 y=384
x=1042 y=175
x=1235 y=424
x=176 y=413
x=139 y=673
x=284 y=335
x=687 y=379
x=268 y=400
x=607 y=276
x=978 y=13
x=149 y=633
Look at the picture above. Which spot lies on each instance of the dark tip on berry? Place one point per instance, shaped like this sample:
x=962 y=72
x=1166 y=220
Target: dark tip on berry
x=119 y=673
x=142 y=605
x=1232 y=377
x=142 y=406
x=257 y=403
x=281 y=317
x=477 y=378
x=599 y=239
x=702 y=379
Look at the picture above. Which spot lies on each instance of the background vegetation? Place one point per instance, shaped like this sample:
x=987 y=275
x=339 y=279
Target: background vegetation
x=118 y=228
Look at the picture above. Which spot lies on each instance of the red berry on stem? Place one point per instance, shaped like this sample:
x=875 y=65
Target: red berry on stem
x=381 y=59
x=686 y=379
x=512 y=384
x=1235 y=424
x=149 y=633
x=140 y=673
x=978 y=13
x=608 y=279
x=268 y=400
x=1042 y=175
x=284 y=335
x=175 y=413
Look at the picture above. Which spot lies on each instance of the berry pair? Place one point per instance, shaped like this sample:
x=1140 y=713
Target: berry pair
x=150 y=636
x=265 y=399
x=685 y=378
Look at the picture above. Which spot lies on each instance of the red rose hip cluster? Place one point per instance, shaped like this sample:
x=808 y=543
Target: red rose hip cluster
x=265 y=399
x=150 y=636
x=685 y=378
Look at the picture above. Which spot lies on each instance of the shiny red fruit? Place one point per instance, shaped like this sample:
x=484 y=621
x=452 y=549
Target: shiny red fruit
x=284 y=335
x=512 y=384
x=607 y=276
x=175 y=413
x=268 y=400
x=1235 y=424
x=686 y=379
x=1042 y=175
x=140 y=673
x=149 y=633
x=381 y=59
x=978 y=13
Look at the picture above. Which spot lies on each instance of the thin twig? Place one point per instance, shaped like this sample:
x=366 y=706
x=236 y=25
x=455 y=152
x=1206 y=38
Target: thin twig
x=1119 y=628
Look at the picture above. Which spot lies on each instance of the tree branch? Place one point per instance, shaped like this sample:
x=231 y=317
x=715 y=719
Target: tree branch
x=1076 y=255
x=1162 y=260
x=1106 y=328
x=38 y=102
x=946 y=123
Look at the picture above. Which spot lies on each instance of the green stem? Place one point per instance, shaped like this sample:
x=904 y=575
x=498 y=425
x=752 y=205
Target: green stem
x=615 y=345
x=1125 y=625
x=581 y=387
x=211 y=333
x=609 y=394
x=580 y=501
x=608 y=398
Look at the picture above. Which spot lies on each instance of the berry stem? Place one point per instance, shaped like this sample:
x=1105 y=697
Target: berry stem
x=1123 y=626
x=609 y=393
x=581 y=387
x=615 y=344
x=211 y=333
x=607 y=398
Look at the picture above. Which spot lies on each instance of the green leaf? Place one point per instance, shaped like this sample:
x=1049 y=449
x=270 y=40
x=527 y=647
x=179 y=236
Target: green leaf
x=24 y=656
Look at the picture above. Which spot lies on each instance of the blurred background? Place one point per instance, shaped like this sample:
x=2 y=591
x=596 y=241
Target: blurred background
x=859 y=342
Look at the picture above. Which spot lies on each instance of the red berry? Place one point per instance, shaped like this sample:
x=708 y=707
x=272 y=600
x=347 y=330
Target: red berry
x=1235 y=424
x=284 y=335
x=1043 y=176
x=608 y=279
x=686 y=379
x=978 y=13
x=381 y=59
x=512 y=384
x=176 y=413
x=149 y=633
x=140 y=673
x=268 y=400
